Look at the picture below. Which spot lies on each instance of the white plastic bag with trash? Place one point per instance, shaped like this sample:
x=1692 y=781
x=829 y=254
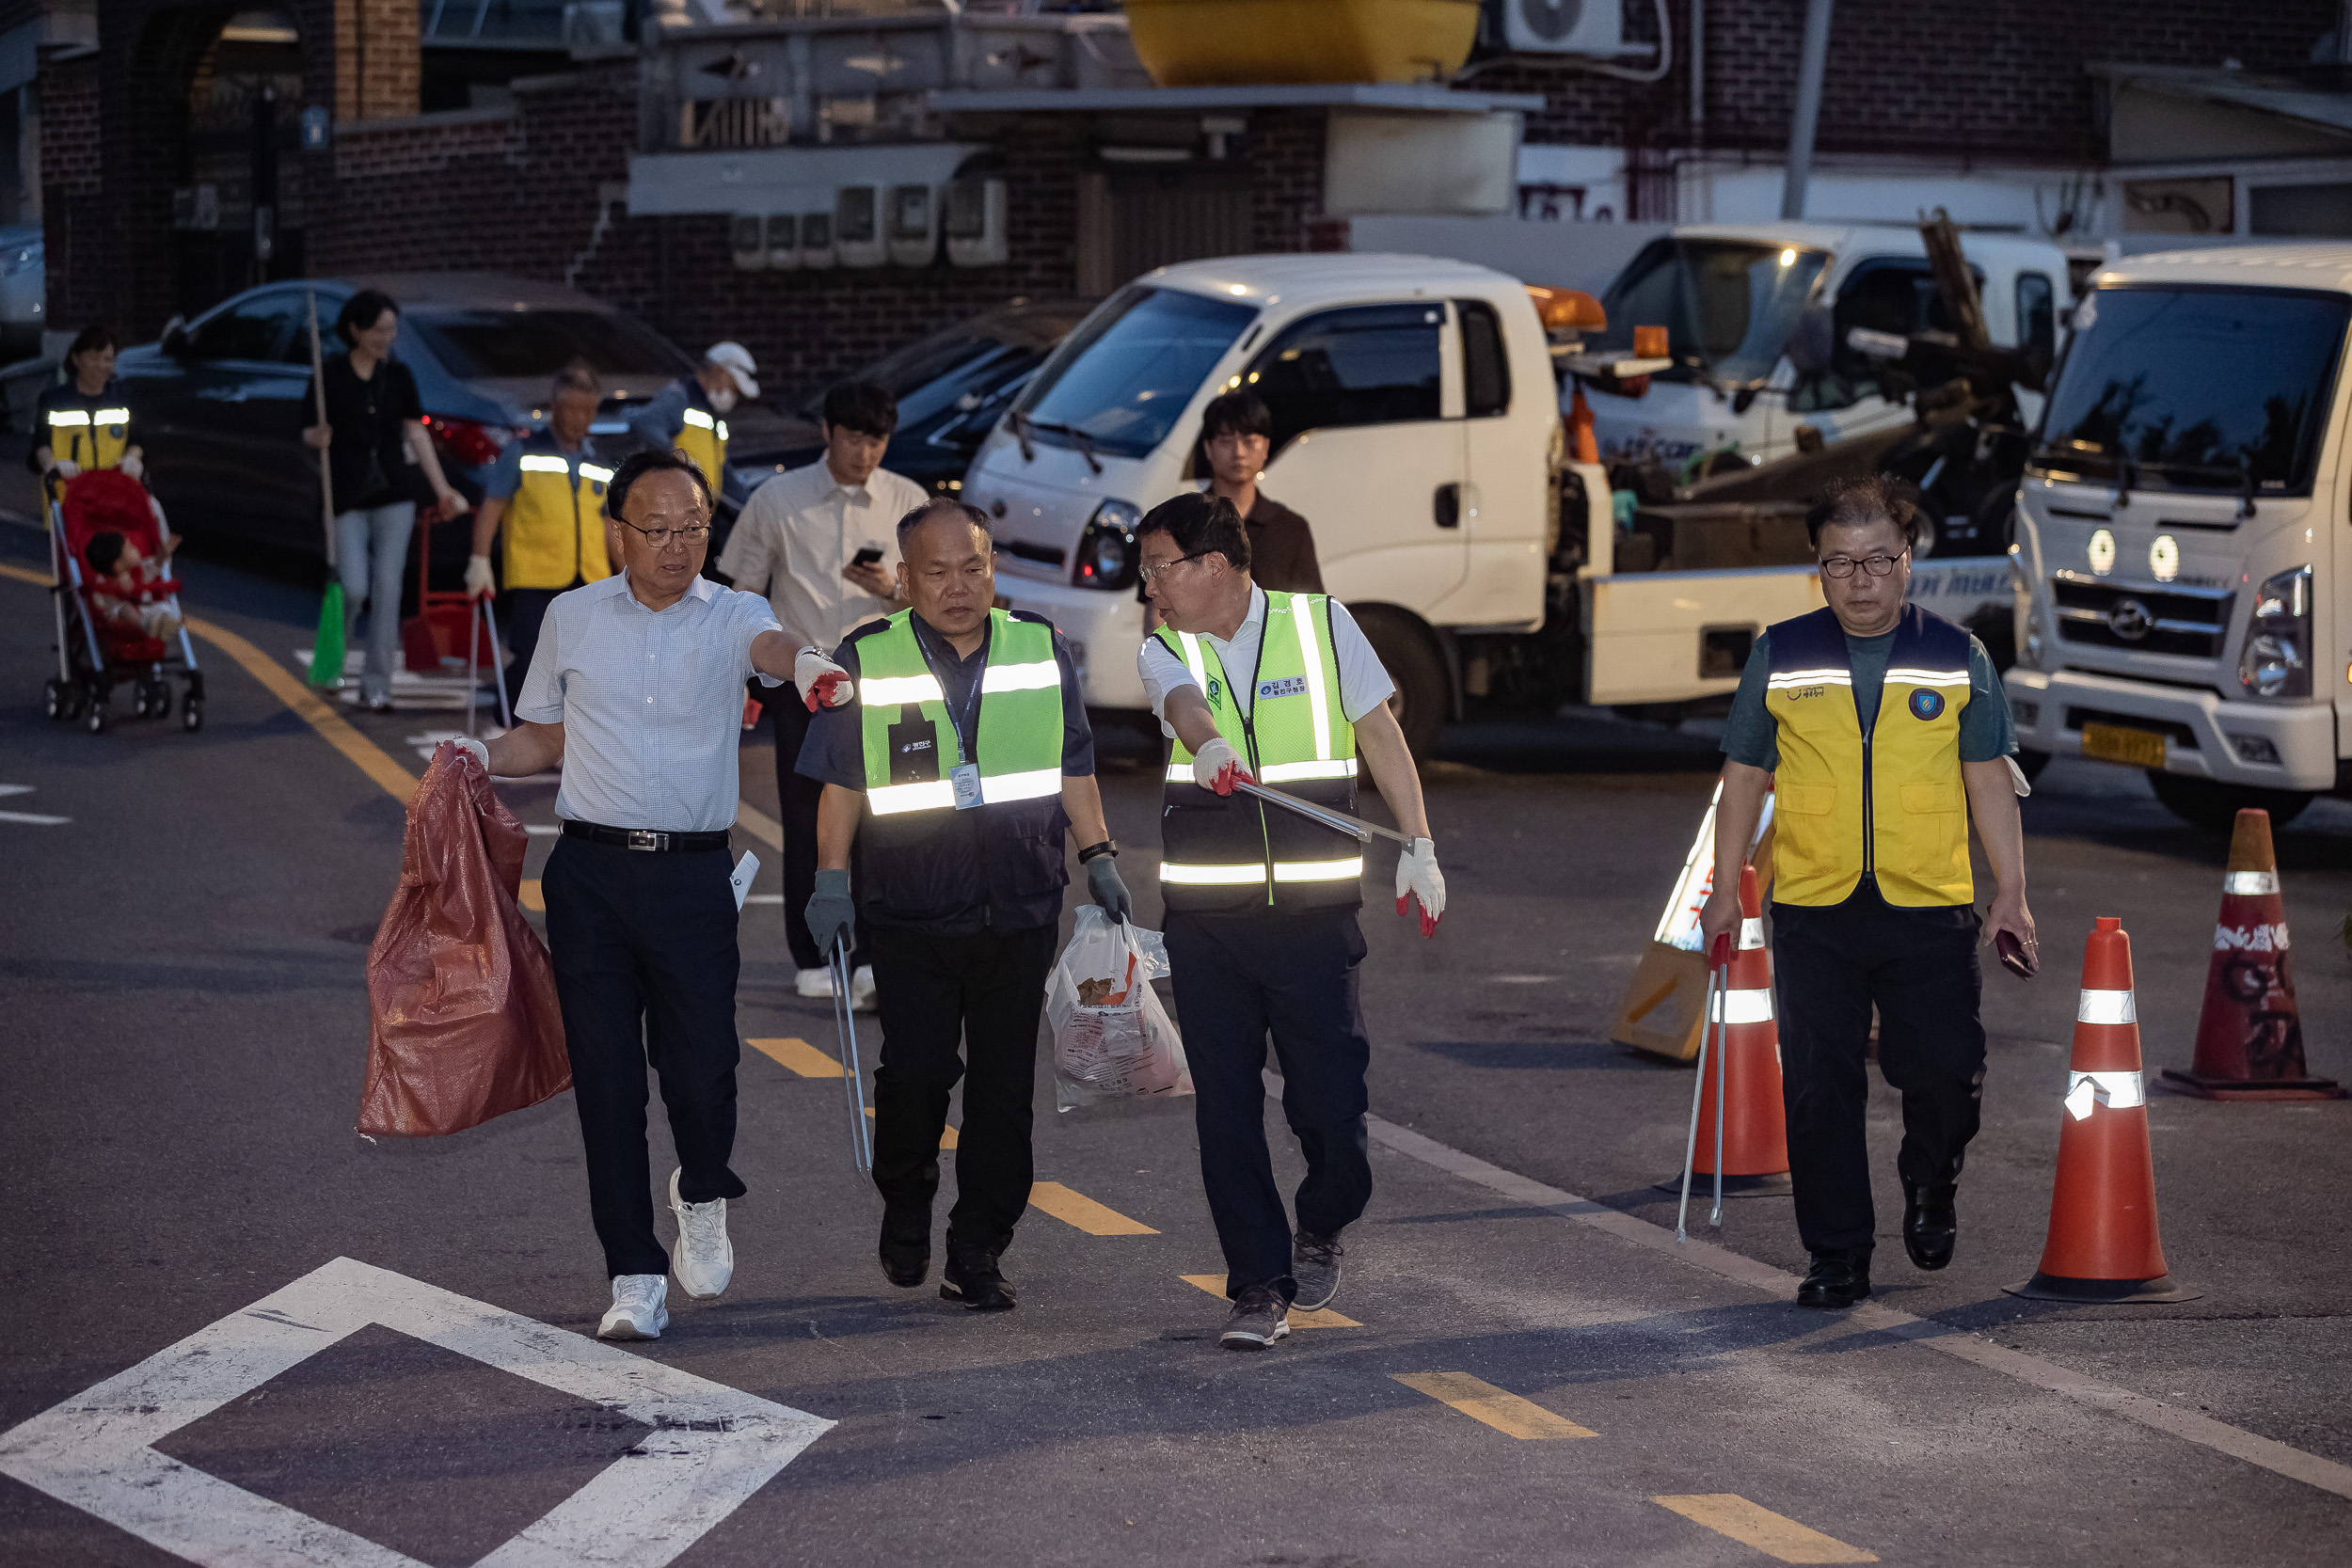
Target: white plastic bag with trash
x=1112 y=1039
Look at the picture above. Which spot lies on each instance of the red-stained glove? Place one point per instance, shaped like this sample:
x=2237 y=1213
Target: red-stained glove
x=1217 y=765
x=1418 y=877
x=821 y=680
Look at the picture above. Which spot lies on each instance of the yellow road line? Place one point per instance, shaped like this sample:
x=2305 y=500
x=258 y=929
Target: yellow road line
x=1499 y=1408
x=1322 y=1317
x=1753 y=1525
x=947 y=1135
x=798 y=1055
x=1083 y=1211
x=527 y=893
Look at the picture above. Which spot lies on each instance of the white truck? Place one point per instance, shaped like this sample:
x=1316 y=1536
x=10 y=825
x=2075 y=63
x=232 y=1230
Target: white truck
x=2182 y=608
x=1731 y=297
x=1418 y=427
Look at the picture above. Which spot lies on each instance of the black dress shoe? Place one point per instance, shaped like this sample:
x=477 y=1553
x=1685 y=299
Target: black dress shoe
x=906 y=1245
x=1839 y=1279
x=1930 y=1225
x=970 y=1277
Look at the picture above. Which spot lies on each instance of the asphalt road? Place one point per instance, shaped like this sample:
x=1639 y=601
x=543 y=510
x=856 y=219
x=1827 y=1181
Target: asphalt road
x=181 y=969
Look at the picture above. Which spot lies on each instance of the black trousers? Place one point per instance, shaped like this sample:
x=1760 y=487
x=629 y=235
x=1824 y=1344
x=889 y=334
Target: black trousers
x=1238 y=979
x=983 y=990
x=521 y=612
x=796 y=801
x=645 y=965
x=1832 y=962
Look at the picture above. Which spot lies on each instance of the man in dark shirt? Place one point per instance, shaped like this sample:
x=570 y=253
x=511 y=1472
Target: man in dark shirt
x=1237 y=432
x=965 y=767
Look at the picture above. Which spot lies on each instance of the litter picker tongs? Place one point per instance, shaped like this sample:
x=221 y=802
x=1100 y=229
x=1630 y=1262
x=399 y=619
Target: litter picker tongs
x=1338 y=821
x=861 y=1134
x=1711 y=1021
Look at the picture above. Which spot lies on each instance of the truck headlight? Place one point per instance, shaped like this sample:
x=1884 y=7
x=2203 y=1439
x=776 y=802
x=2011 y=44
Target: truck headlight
x=2277 y=658
x=1108 y=555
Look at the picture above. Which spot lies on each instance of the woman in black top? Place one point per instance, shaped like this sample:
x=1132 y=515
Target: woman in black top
x=84 y=421
x=374 y=436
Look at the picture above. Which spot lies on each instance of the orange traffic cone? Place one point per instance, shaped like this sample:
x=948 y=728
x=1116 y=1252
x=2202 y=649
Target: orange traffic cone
x=2249 y=1037
x=2103 y=1244
x=1755 y=1123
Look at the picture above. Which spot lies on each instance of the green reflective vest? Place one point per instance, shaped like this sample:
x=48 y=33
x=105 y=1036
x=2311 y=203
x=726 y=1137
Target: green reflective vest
x=1231 y=853
x=911 y=744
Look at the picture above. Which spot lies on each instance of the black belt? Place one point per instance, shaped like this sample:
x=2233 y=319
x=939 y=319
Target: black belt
x=644 y=838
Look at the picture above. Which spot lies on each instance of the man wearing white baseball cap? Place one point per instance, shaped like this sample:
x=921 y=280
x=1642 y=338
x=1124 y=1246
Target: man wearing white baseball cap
x=690 y=414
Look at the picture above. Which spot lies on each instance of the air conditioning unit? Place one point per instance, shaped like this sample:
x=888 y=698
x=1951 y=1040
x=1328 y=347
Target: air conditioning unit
x=914 y=225
x=974 y=220
x=747 y=237
x=857 y=227
x=1565 y=27
x=816 y=239
x=784 y=243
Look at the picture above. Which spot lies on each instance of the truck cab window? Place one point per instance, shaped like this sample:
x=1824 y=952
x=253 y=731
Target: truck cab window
x=1485 y=369
x=2037 y=317
x=1362 y=365
x=1894 y=295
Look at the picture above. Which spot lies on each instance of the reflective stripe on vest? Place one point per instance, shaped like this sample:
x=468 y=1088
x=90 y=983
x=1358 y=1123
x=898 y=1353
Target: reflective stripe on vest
x=1895 y=809
x=910 y=743
x=554 y=528
x=702 y=437
x=90 y=438
x=1229 y=853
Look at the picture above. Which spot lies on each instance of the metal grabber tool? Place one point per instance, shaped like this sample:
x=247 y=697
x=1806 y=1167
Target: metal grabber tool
x=861 y=1133
x=1711 y=1022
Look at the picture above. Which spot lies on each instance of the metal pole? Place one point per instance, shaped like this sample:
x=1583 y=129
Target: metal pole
x=1722 y=1058
x=1812 y=64
x=1696 y=54
x=474 y=651
x=498 y=676
x=1698 y=1086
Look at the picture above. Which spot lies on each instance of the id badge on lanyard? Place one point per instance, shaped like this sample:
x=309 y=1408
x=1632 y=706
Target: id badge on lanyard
x=964 y=778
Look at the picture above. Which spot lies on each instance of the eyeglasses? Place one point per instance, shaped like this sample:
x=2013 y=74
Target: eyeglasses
x=1152 y=574
x=1841 y=566
x=659 y=537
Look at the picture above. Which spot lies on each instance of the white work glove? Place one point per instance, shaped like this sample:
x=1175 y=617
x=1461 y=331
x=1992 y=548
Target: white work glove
x=473 y=749
x=1216 y=765
x=821 y=680
x=66 y=468
x=1418 y=877
x=132 y=466
x=478 y=581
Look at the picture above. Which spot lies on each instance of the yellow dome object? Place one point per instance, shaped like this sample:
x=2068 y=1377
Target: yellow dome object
x=1199 y=44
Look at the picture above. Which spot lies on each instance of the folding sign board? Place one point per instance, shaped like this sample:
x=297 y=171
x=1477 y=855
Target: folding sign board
x=1662 y=1007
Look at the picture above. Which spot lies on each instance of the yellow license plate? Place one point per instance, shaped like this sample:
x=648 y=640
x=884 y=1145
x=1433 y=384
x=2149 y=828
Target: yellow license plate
x=2115 y=743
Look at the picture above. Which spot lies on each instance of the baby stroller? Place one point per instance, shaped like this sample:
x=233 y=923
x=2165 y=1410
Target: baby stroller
x=94 y=653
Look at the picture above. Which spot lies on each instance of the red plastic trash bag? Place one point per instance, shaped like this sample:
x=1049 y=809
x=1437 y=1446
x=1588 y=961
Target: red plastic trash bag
x=466 y=1023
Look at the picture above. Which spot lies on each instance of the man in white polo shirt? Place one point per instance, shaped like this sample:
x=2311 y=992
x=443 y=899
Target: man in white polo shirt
x=824 y=542
x=637 y=690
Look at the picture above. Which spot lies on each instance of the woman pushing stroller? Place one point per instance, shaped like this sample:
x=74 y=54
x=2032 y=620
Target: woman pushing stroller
x=84 y=421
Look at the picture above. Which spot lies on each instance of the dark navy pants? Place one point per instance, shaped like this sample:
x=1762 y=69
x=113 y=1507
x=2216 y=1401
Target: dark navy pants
x=646 y=964
x=1831 y=963
x=1239 y=978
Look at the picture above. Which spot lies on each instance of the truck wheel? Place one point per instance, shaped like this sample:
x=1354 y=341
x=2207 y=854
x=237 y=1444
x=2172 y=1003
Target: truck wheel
x=1413 y=661
x=2214 y=806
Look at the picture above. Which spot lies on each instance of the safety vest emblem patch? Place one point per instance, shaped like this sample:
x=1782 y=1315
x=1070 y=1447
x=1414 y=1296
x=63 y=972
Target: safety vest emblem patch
x=1290 y=686
x=1926 y=702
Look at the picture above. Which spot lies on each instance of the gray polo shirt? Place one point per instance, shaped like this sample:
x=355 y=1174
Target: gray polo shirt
x=651 y=703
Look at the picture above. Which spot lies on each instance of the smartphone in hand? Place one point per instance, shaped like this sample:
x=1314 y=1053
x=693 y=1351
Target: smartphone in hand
x=2013 y=956
x=870 y=556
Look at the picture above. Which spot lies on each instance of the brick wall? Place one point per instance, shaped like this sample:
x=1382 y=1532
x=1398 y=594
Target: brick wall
x=378 y=70
x=69 y=164
x=1286 y=176
x=1992 y=79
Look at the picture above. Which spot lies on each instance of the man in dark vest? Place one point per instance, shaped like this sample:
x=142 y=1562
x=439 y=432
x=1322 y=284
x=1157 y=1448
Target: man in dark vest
x=1879 y=730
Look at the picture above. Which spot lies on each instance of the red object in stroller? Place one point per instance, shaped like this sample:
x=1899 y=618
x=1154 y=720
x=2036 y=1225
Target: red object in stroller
x=95 y=654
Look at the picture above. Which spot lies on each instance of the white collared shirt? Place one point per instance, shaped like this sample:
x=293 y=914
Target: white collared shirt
x=801 y=529
x=1364 y=684
x=651 y=702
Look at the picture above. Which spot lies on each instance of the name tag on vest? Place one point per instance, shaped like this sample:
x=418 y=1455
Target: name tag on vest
x=1290 y=686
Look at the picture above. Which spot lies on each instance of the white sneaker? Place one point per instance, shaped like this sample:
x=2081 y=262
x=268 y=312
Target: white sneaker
x=862 y=990
x=638 y=1307
x=813 y=982
x=705 y=1260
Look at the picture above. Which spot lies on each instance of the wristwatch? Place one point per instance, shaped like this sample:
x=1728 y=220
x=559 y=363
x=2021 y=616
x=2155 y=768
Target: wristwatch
x=1107 y=846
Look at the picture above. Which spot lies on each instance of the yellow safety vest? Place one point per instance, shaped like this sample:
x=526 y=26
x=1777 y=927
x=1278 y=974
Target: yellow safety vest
x=89 y=438
x=1894 y=805
x=703 y=438
x=554 y=523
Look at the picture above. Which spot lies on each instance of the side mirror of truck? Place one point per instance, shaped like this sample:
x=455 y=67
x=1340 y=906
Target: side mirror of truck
x=1811 y=341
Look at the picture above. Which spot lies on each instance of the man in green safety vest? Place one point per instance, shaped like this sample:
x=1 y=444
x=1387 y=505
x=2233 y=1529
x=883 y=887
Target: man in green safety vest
x=1284 y=689
x=955 y=770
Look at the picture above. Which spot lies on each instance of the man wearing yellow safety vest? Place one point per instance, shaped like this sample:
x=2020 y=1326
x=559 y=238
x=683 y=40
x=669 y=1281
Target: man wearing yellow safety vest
x=963 y=751
x=1880 y=731
x=1283 y=690
x=547 y=494
x=85 y=422
x=689 y=414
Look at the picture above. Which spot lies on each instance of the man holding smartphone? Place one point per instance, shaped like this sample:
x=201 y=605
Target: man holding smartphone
x=822 y=540
x=1882 y=730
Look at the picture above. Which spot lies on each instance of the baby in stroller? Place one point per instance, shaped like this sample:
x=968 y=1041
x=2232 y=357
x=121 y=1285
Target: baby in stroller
x=129 y=593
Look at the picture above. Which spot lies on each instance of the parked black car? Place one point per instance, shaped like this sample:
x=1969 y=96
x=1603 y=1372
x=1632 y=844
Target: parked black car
x=220 y=398
x=952 y=387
